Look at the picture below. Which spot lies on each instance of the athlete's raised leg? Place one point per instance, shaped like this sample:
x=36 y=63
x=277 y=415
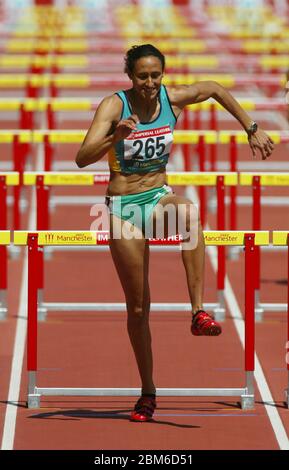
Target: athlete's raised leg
x=193 y=256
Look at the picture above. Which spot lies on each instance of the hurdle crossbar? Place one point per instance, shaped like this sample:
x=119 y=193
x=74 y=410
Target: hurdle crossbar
x=20 y=140
x=76 y=136
x=62 y=104
x=36 y=239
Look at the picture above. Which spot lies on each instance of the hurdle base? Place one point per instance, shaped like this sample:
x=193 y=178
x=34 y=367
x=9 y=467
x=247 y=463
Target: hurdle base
x=247 y=401
x=259 y=314
x=219 y=311
x=3 y=304
x=3 y=313
x=287 y=398
x=41 y=313
x=33 y=400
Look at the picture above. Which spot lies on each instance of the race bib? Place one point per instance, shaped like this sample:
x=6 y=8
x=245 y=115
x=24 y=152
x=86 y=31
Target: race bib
x=148 y=146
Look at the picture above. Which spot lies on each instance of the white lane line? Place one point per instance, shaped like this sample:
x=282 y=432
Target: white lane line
x=269 y=404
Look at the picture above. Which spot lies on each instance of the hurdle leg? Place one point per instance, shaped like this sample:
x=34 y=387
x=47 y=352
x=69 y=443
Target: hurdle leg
x=287 y=344
x=233 y=152
x=3 y=249
x=219 y=310
x=33 y=399
x=247 y=399
x=41 y=309
x=42 y=198
x=256 y=223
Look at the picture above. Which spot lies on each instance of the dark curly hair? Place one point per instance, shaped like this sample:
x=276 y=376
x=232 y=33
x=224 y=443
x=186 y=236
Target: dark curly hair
x=136 y=52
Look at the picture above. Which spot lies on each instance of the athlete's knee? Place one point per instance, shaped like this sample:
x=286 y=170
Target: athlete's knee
x=138 y=312
x=188 y=225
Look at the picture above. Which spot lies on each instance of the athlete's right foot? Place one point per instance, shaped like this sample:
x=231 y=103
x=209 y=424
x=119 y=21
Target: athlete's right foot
x=144 y=409
x=204 y=325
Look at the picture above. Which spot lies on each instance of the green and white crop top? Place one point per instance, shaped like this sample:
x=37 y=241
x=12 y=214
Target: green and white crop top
x=147 y=148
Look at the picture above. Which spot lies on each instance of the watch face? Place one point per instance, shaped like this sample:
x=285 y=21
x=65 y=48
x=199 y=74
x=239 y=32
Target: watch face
x=253 y=127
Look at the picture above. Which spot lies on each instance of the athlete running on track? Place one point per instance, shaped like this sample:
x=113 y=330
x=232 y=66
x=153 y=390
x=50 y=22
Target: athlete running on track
x=135 y=127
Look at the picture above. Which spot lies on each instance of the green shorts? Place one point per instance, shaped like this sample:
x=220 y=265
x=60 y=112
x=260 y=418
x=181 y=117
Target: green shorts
x=137 y=208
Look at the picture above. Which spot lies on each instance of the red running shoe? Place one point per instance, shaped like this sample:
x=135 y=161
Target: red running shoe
x=204 y=325
x=144 y=409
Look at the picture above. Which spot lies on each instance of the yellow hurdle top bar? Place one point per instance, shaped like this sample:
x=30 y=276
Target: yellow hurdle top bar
x=242 y=138
x=11 y=178
x=41 y=104
x=76 y=136
x=266 y=179
x=5 y=237
x=165 y=45
x=86 y=104
x=88 y=178
x=7 y=136
x=94 y=238
x=82 y=61
x=82 y=80
x=185 y=178
x=280 y=237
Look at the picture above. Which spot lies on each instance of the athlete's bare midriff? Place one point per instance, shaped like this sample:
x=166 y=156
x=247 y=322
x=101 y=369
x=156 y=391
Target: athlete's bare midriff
x=121 y=184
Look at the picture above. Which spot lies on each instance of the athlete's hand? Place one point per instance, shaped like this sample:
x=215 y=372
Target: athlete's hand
x=261 y=141
x=125 y=127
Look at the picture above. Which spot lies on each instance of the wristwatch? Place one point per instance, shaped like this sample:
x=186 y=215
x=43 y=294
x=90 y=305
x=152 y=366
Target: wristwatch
x=252 y=129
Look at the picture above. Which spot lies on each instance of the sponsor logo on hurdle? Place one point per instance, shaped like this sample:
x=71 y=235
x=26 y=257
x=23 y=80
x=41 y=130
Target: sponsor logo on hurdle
x=102 y=238
x=49 y=238
x=75 y=238
x=99 y=178
x=225 y=238
x=72 y=238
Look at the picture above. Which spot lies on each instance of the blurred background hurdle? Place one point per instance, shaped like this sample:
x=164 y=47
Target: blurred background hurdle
x=31 y=85
x=45 y=181
x=258 y=181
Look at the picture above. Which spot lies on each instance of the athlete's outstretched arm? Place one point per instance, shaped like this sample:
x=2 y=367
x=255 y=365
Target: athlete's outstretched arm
x=201 y=91
x=104 y=132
